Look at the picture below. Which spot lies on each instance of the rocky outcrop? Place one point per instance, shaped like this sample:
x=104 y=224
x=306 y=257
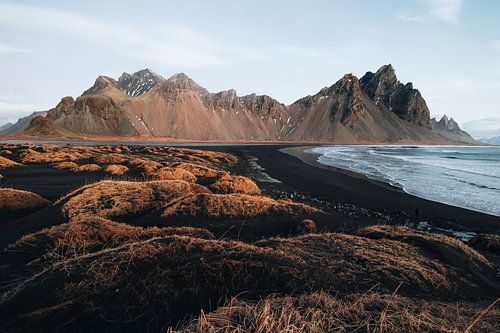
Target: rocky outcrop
x=406 y=102
x=450 y=129
x=94 y=114
x=41 y=126
x=139 y=83
x=345 y=113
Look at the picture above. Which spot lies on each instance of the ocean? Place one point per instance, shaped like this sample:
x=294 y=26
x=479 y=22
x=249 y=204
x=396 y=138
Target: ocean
x=467 y=177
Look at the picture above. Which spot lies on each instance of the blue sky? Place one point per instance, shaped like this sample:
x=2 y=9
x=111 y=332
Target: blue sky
x=449 y=49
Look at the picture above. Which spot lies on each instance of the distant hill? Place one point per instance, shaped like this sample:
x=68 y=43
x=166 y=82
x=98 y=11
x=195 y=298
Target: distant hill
x=21 y=124
x=492 y=141
x=375 y=108
x=450 y=129
x=5 y=126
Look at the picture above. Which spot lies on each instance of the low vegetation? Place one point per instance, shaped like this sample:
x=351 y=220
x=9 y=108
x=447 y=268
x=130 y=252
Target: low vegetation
x=116 y=169
x=153 y=283
x=169 y=173
x=321 y=312
x=233 y=206
x=234 y=184
x=486 y=242
x=197 y=170
x=87 y=168
x=6 y=163
x=123 y=198
x=12 y=199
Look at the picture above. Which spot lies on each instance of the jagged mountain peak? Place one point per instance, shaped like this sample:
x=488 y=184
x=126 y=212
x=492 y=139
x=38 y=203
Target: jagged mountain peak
x=139 y=83
x=386 y=70
x=449 y=128
x=349 y=83
x=181 y=81
x=100 y=84
x=385 y=90
x=448 y=123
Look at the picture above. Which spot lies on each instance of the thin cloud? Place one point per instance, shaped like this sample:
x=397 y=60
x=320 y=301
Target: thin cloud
x=447 y=11
x=496 y=45
x=164 y=45
x=8 y=49
x=10 y=111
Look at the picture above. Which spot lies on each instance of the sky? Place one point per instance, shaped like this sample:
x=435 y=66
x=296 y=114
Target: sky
x=449 y=49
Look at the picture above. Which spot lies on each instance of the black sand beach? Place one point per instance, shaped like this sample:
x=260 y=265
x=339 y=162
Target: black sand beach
x=300 y=171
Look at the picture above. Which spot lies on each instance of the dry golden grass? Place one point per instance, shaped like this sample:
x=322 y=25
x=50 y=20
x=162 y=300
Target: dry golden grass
x=168 y=173
x=60 y=155
x=233 y=206
x=116 y=169
x=447 y=248
x=226 y=184
x=487 y=242
x=149 y=167
x=136 y=161
x=147 y=284
x=5 y=152
x=88 y=168
x=321 y=312
x=85 y=234
x=5 y=163
x=211 y=159
x=109 y=159
x=197 y=170
x=65 y=165
x=13 y=199
x=122 y=198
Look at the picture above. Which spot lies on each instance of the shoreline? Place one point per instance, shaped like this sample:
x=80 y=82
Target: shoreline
x=299 y=170
x=312 y=159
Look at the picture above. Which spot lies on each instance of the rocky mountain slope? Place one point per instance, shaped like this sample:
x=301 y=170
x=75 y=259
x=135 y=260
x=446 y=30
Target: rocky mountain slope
x=41 y=126
x=375 y=108
x=21 y=124
x=450 y=129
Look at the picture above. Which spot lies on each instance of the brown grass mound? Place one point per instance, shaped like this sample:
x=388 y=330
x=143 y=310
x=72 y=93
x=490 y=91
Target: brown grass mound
x=234 y=184
x=197 y=156
x=110 y=159
x=490 y=243
x=5 y=152
x=321 y=312
x=447 y=249
x=61 y=155
x=116 y=169
x=88 y=168
x=5 y=163
x=136 y=161
x=65 y=165
x=197 y=170
x=149 y=167
x=233 y=206
x=85 y=234
x=13 y=199
x=147 y=284
x=168 y=173
x=123 y=198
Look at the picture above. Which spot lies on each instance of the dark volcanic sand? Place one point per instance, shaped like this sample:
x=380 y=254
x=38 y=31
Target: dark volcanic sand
x=301 y=172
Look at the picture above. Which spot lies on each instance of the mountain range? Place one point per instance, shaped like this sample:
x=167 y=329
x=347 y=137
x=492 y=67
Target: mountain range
x=373 y=108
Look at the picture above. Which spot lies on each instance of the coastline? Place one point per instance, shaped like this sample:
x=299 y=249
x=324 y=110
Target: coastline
x=299 y=170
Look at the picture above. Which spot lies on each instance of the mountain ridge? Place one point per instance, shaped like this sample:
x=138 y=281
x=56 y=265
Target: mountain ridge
x=375 y=108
